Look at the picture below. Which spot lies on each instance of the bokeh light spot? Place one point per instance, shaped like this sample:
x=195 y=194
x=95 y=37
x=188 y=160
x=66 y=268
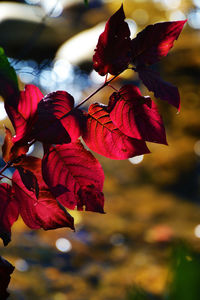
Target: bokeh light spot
x=3 y=113
x=136 y=159
x=197 y=148
x=63 y=245
x=194 y=19
x=197 y=231
x=21 y=265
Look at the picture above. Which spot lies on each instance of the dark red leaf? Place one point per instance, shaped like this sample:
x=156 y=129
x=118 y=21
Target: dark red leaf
x=112 y=53
x=8 y=212
x=103 y=137
x=155 y=41
x=51 y=126
x=137 y=116
x=29 y=180
x=5 y=270
x=44 y=212
x=162 y=89
x=74 y=176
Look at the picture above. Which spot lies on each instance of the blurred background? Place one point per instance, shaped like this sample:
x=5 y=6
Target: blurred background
x=147 y=245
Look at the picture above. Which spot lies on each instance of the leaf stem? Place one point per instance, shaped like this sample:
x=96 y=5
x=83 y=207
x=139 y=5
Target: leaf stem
x=95 y=92
x=3 y=175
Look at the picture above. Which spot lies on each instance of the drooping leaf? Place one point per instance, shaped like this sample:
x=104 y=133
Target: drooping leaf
x=103 y=137
x=74 y=176
x=42 y=212
x=112 y=53
x=6 y=270
x=137 y=116
x=52 y=126
x=8 y=80
x=8 y=212
x=161 y=89
x=155 y=41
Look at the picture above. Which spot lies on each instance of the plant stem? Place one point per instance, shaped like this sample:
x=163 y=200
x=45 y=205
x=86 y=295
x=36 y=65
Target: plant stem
x=90 y=96
x=95 y=92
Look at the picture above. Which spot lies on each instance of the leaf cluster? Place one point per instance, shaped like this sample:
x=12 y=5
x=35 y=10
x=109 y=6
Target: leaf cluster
x=68 y=175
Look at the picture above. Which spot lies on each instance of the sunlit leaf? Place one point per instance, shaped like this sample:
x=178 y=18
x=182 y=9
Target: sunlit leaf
x=103 y=137
x=42 y=212
x=74 y=176
x=155 y=41
x=137 y=116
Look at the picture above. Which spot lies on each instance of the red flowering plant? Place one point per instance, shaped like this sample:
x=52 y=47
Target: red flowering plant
x=68 y=175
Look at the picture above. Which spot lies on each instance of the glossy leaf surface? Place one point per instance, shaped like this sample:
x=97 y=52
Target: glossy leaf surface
x=112 y=53
x=74 y=176
x=137 y=116
x=103 y=137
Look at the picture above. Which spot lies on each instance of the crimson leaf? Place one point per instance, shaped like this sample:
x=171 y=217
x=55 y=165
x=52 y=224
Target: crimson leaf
x=8 y=212
x=103 y=137
x=5 y=270
x=162 y=89
x=52 y=126
x=24 y=116
x=44 y=212
x=137 y=116
x=112 y=53
x=29 y=180
x=74 y=176
x=155 y=41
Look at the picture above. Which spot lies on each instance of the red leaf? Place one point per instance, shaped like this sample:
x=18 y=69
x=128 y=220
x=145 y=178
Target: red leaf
x=162 y=89
x=24 y=116
x=51 y=126
x=112 y=53
x=137 y=116
x=8 y=212
x=155 y=41
x=44 y=212
x=28 y=102
x=5 y=270
x=29 y=180
x=74 y=176
x=103 y=137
